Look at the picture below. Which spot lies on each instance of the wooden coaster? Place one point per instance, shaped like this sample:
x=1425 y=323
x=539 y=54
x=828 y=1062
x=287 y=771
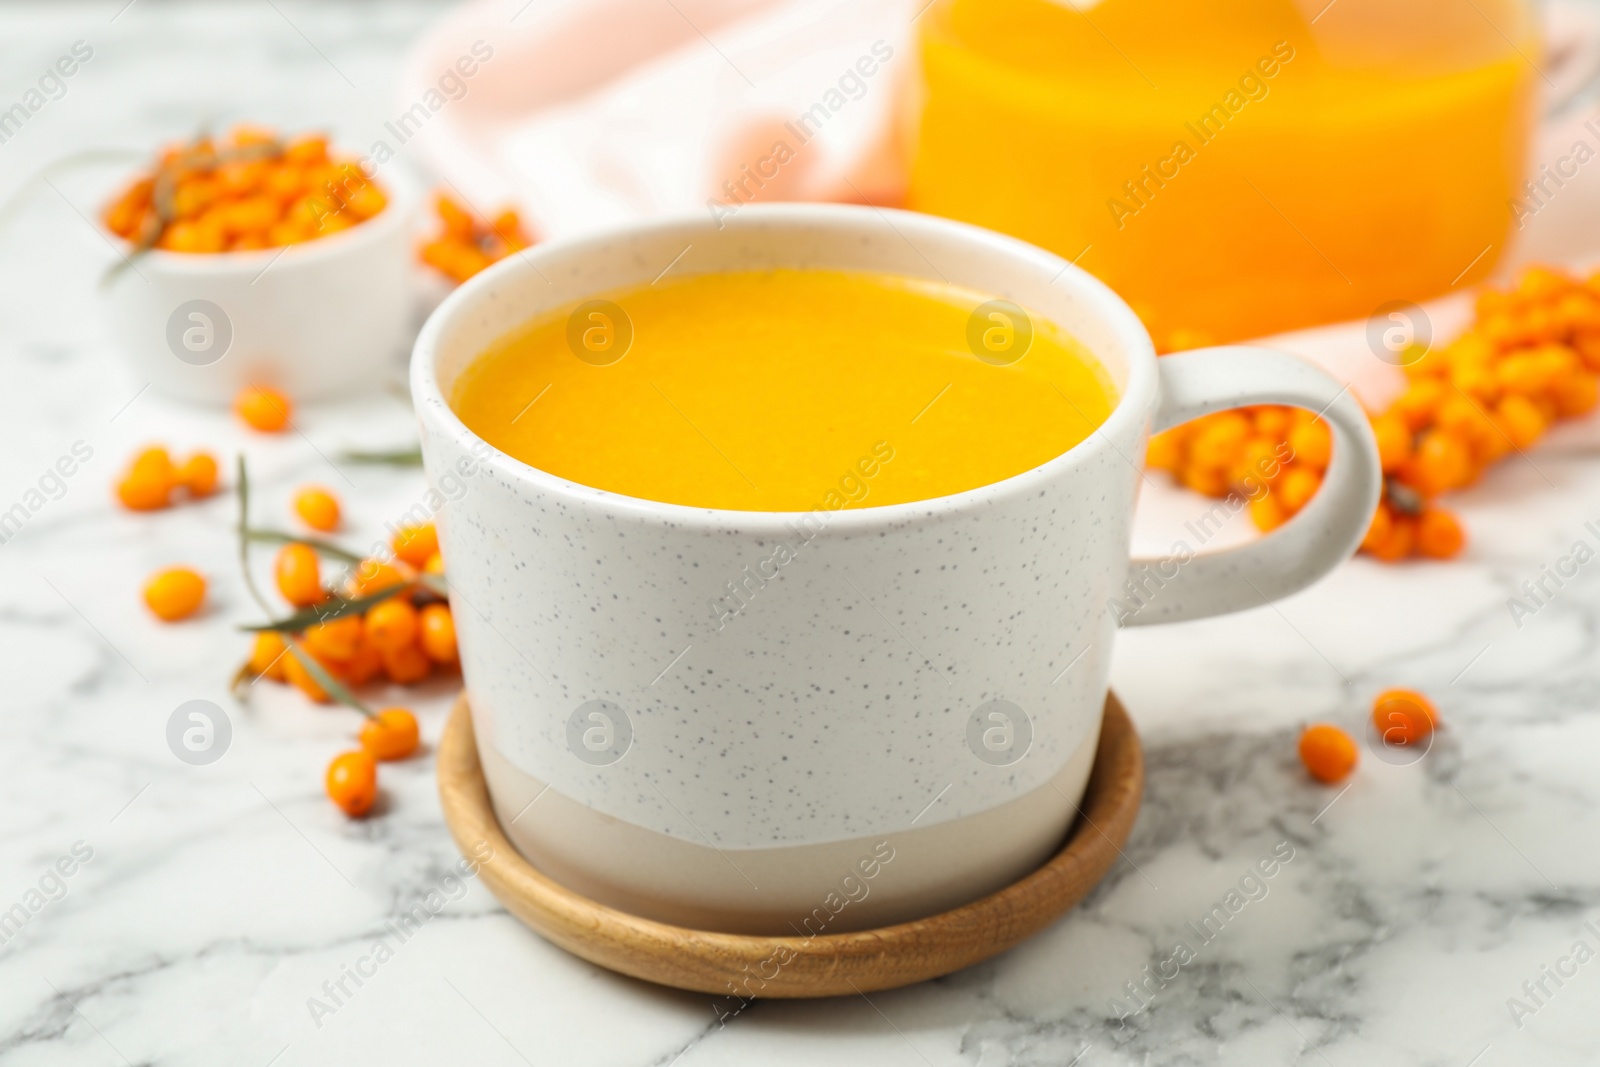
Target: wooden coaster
x=826 y=965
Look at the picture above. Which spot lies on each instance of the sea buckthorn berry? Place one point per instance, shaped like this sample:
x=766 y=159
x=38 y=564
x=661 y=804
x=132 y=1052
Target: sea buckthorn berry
x=198 y=474
x=1476 y=381
x=334 y=223
x=1439 y=534
x=1164 y=452
x=1491 y=301
x=1328 y=753
x=1219 y=439
x=262 y=408
x=390 y=735
x=193 y=196
x=285 y=184
x=198 y=236
x=284 y=234
x=299 y=575
x=391 y=624
x=1402 y=538
x=1296 y=488
x=335 y=639
x=148 y=484
x=175 y=593
x=457 y=220
x=363 y=665
x=352 y=782
x=439 y=633
x=1555 y=362
x=370 y=576
x=153 y=462
x=366 y=201
x=1258 y=464
x=1586 y=343
x=455 y=260
x=1576 y=309
x=1576 y=394
x=317 y=507
x=1520 y=374
x=1379 y=529
x=1491 y=447
x=1520 y=420
x=407 y=664
x=143 y=494
x=1465 y=418
x=1419 y=402
x=123 y=216
x=307 y=150
x=297 y=674
x=1540 y=324
x=1394 y=441
x=1208 y=481
x=1312 y=444
x=1419 y=362
x=1267 y=513
x=1403 y=716
x=415 y=544
x=256 y=214
x=267 y=656
x=1273 y=421
x=240 y=177
x=435 y=564
x=1441 y=463
x=1543 y=283
x=1470 y=347
x=507 y=226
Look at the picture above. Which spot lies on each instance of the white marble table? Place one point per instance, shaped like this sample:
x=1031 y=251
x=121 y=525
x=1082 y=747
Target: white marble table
x=217 y=901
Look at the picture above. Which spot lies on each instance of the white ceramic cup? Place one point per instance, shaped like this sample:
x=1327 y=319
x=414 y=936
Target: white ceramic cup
x=902 y=713
x=318 y=320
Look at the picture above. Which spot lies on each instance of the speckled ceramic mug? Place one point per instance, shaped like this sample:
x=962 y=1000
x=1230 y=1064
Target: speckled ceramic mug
x=774 y=722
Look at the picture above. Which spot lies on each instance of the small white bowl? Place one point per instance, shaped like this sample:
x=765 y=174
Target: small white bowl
x=318 y=320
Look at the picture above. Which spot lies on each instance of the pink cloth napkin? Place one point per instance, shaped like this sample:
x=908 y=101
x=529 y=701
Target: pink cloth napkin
x=590 y=113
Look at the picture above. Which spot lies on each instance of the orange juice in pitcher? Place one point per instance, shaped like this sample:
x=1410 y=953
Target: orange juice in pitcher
x=1234 y=168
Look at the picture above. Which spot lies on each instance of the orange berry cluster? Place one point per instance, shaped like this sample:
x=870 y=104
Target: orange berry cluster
x=247 y=191
x=1530 y=358
x=1400 y=716
x=403 y=638
x=468 y=244
x=1273 y=456
x=153 y=480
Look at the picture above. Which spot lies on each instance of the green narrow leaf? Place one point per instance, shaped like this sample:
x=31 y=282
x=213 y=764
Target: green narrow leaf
x=243 y=482
x=331 y=685
x=280 y=537
x=406 y=457
x=319 y=614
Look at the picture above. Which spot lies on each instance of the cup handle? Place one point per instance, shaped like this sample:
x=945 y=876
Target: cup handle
x=1189 y=584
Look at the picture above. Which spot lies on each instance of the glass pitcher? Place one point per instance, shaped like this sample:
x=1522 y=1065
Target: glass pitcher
x=1234 y=168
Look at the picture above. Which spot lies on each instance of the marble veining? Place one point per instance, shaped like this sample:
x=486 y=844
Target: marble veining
x=219 y=902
